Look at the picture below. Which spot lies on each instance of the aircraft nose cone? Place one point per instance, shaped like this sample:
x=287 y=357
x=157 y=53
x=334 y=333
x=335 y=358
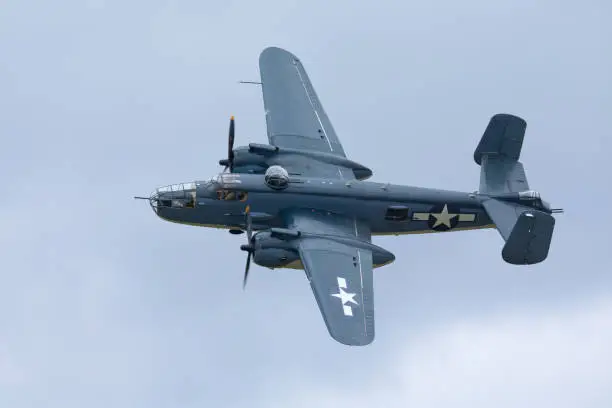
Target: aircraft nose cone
x=154 y=201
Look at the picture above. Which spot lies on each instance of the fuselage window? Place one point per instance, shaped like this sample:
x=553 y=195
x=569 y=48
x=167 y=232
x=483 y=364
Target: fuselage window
x=186 y=201
x=191 y=200
x=231 y=195
x=396 y=214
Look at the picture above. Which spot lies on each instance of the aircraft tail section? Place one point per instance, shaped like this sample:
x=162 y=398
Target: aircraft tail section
x=498 y=155
x=521 y=217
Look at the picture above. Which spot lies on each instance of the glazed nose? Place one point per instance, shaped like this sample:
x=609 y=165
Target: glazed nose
x=174 y=199
x=163 y=199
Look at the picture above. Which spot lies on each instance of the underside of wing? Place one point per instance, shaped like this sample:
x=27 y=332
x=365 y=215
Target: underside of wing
x=339 y=265
x=341 y=279
x=295 y=117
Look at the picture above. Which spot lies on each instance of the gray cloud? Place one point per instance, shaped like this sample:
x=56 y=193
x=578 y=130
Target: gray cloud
x=546 y=357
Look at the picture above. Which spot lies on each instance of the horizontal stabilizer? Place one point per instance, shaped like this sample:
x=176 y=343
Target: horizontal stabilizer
x=527 y=231
x=530 y=238
x=503 y=138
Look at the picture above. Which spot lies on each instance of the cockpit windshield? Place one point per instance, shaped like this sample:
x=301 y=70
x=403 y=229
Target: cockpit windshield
x=223 y=191
x=212 y=182
x=177 y=187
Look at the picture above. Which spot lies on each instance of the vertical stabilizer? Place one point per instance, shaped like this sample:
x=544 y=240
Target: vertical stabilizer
x=498 y=155
x=521 y=217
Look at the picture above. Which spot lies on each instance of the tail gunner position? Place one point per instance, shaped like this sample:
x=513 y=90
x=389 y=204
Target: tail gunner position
x=304 y=205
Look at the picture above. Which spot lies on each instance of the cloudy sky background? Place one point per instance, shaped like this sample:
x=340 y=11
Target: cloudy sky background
x=102 y=304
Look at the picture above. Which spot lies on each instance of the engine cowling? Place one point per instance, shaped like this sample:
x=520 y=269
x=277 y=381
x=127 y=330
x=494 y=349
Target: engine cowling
x=272 y=252
x=274 y=258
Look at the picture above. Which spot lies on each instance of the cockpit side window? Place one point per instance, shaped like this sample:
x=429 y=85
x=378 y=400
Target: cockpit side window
x=229 y=195
x=190 y=203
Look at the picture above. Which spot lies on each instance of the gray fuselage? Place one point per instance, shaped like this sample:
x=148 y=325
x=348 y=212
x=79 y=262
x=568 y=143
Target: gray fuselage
x=388 y=209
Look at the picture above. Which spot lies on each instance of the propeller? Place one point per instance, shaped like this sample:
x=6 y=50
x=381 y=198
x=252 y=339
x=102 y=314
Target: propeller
x=250 y=246
x=229 y=162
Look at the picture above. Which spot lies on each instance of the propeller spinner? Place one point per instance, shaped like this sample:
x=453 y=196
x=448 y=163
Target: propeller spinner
x=229 y=162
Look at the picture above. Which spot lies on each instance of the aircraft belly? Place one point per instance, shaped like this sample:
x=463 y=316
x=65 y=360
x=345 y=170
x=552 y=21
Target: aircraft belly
x=428 y=230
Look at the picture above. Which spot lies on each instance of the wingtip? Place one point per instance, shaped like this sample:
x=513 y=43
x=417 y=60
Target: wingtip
x=273 y=53
x=509 y=117
x=353 y=341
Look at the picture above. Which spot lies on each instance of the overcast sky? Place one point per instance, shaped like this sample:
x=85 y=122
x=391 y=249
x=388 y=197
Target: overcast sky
x=103 y=304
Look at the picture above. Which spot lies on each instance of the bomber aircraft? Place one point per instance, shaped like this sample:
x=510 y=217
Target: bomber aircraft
x=305 y=205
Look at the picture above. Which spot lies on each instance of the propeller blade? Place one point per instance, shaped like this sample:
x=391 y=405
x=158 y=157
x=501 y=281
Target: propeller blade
x=229 y=161
x=246 y=270
x=250 y=246
x=230 y=147
x=249 y=224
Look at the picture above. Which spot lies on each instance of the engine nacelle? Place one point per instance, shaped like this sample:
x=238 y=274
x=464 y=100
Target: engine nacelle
x=272 y=252
x=256 y=158
x=274 y=257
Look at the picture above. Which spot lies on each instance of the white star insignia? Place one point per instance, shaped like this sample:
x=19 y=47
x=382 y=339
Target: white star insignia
x=345 y=297
x=443 y=217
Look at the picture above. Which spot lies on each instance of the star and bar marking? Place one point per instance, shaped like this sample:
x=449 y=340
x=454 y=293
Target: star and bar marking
x=443 y=219
x=345 y=297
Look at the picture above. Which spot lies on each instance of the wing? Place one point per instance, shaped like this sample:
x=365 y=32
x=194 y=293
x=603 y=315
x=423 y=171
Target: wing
x=295 y=117
x=340 y=275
